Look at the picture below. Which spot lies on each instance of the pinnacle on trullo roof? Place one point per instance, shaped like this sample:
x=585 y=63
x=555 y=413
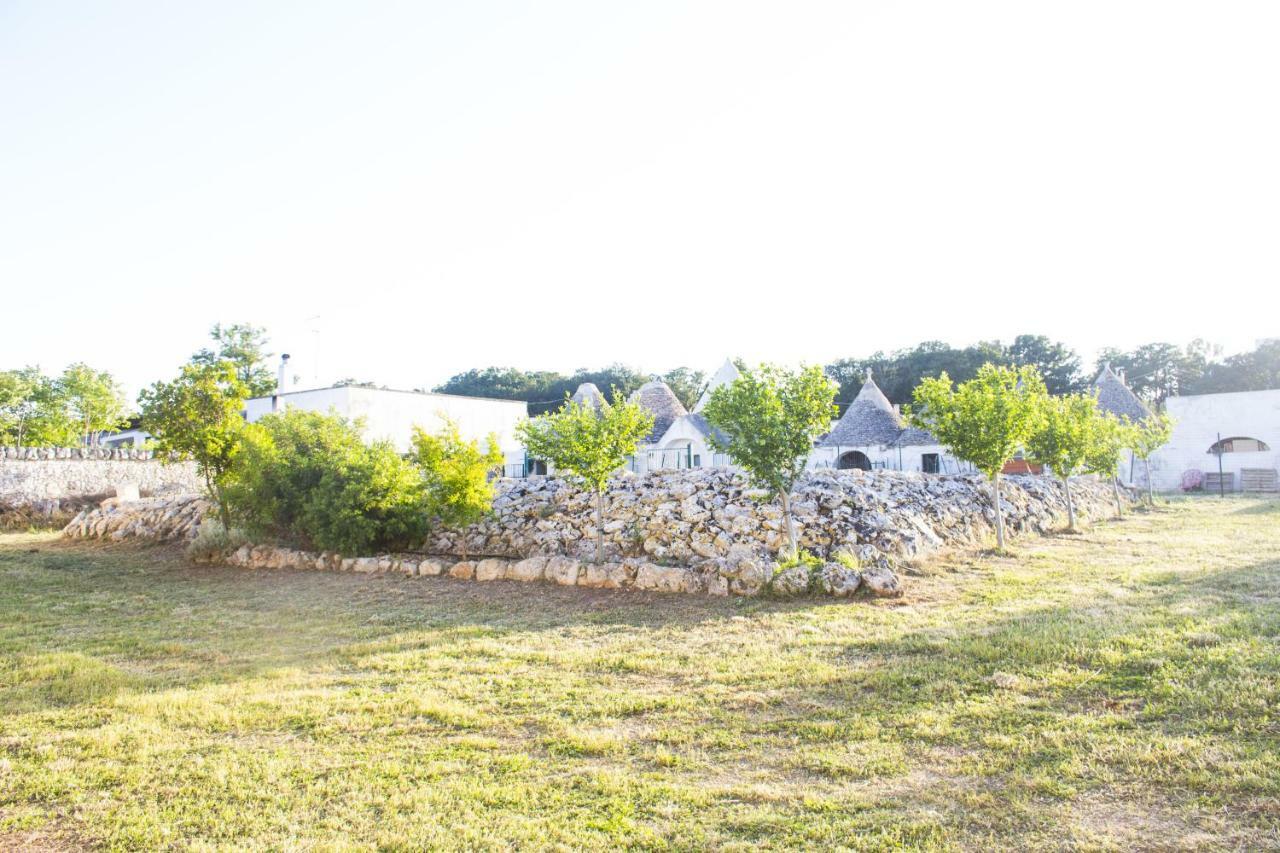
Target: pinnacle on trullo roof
x=588 y=395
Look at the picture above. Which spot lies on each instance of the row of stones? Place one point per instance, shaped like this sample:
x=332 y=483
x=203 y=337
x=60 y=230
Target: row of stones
x=37 y=454
x=831 y=578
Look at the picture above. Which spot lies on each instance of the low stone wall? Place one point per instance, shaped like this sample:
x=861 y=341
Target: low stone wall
x=46 y=479
x=691 y=531
x=163 y=519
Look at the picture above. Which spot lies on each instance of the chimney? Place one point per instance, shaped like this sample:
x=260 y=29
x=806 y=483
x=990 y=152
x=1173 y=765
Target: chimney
x=275 y=398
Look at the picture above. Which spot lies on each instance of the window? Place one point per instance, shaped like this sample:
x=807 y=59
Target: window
x=929 y=463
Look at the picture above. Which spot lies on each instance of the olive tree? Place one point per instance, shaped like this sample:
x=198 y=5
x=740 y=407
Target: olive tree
x=588 y=443
x=457 y=474
x=770 y=418
x=1063 y=440
x=1149 y=435
x=197 y=417
x=984 y=421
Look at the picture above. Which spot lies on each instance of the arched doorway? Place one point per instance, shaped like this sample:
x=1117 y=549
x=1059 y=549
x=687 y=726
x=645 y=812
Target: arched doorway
x=853 y=459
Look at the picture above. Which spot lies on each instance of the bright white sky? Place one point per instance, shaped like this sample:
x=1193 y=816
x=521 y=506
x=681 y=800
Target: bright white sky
x=556 y=185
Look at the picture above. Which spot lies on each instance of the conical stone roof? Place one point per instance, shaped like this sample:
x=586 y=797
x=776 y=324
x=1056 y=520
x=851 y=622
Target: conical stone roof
x=661 y=402
x=1115 y=397
x=870 y=419
x=727 y=373
x=588 y=395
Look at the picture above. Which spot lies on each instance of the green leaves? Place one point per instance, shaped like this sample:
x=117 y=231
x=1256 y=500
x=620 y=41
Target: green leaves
x=986 y=420
x=456 y=473
x=1068 y=429
x=771 y=417
x=587 y=443
x=197 y=416
x=38 y=410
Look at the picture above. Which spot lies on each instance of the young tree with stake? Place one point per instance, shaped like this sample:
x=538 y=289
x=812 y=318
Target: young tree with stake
x=197 y=416
x=984 y=421
x=589 y=444
x=1149 y=435
x=1063 y=440
x=1110 y=436
x=771 y=417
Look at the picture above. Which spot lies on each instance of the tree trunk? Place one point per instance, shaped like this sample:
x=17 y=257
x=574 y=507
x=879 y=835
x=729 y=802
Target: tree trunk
x=224 y=512
x=1115 y=490
x=1071 y=507
x=599 y=526
x=792 y=546
x=995 y=488
x=1151 y=496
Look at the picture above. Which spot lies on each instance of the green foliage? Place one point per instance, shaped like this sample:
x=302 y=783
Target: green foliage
x=94 y=400
x=588 y=443
x=1256 y=370
x=898 y=373
x=308 y=477
x=214 y=540
x=686 y=384
x=244 y=346
x=18 y=404
x=1065 y=434
x=1111 y=435
x=38 y=410
x=1150 y=434
x=771 y=417
x=1157 y=371
x=197 y=416
x=984 y=421
x=544 y=390
x=456 y=473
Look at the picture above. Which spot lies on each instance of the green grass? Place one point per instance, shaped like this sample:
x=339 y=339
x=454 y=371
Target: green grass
x=1118 y=689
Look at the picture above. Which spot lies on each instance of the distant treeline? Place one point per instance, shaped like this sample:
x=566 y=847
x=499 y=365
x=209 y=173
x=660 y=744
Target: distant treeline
x=1154 y=371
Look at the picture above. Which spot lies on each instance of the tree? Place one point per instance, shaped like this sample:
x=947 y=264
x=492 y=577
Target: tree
x=1057 y=363
x=686 y=384
x=1063 y=439
x=1256 y=370
x=1110 y=436
x=18 y=402
x=197 y=416
x=588 y=443
x=94 y=400
x=984 y=421
x=1157 y=371
x=771 y=417
x=1148 y=436
x=244 y=346
x=459 y=489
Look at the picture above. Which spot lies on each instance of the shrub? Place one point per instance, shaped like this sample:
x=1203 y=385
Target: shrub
x=213 y=540
x=308 y=478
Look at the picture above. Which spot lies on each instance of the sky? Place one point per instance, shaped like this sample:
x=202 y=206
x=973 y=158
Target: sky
x=400 y=192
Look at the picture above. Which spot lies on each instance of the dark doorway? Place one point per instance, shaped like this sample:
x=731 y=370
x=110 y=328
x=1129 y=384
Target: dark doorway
x=929 y=463
x=854 y=459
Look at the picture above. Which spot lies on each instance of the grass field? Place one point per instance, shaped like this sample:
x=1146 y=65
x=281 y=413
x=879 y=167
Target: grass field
x=1115 y=689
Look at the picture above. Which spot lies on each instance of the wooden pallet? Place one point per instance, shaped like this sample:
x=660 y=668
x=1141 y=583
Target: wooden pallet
x=1211 y=482
x=1259 y=480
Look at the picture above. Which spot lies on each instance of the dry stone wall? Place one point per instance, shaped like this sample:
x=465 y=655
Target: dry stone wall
x=693 y=531
x=50 y=482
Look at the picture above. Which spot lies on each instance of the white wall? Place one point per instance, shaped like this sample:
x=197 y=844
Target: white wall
x=1198 y=420
x=392 y=415
x=906 y=458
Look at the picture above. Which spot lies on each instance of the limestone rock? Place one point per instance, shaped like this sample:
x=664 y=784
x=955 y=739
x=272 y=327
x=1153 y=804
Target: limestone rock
x=604 y=576
x=463 y=570
x=528 y=569
x=491 y=569
x=881 y=582
x=839 y=581
x=664 y=578
x=562 y=570
x=792 y=581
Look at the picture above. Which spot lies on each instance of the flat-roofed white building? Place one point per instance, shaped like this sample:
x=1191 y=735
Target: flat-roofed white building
x=392 y=415
x=1239 y=429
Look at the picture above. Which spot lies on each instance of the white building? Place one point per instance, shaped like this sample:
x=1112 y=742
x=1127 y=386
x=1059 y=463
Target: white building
x=392 y=415
x=872 y=434
x=1240 y=430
